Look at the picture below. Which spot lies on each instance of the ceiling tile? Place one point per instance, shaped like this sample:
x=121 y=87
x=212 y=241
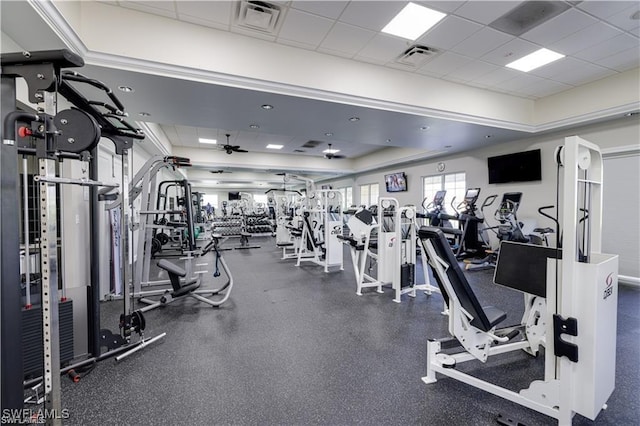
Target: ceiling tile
x=346 y=38
x=559 y=27
x=485 y=12
x=482 y=42
x=584 y=38
x=442 y=6
x=574 y=71
x=202 y=12
x=383 y=48
x=604 y=9
x=373 y=15
x=608 y=47
x=445 y=63
x=328 y=9
x=304 y=28
x=623 y=19
x=622 y=61
x=510 y=51
x=544 y=88
x=449 y=32
x=517 y=83
x=162 y=8
x=472 y=71
x=496 y=77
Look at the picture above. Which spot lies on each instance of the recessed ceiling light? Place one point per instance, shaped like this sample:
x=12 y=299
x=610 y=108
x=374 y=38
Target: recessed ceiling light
x=631 y=114
x=413 y=21
x=354 y=119
x=209 y=141
x=328 y=134
x=254 y=126
x=331 y=151
x=487 y=136
x=274 y=146
x=388 y=140
x=267 y=106
x=535 y=60
x=144 y=114
x=424 y=127
x=125 y=89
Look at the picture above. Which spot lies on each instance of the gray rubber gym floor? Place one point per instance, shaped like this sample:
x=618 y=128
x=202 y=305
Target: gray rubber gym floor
x=296 y=346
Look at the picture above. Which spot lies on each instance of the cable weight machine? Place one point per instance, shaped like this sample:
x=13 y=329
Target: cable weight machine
x=68 y=134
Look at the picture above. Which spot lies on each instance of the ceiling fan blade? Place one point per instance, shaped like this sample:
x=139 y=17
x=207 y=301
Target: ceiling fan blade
x=240 y=150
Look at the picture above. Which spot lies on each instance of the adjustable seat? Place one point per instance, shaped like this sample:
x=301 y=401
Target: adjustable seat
x=175 y=273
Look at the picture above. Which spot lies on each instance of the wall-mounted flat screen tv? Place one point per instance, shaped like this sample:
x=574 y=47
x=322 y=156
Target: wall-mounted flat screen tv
x=396 y=182
x=234 y=196
x=518 y=167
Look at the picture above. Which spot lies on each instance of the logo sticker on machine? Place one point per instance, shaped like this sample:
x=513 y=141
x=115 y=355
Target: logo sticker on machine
x=608 y=291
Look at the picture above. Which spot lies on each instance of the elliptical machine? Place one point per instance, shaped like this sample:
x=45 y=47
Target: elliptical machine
x=509 y=228
x=471 y=242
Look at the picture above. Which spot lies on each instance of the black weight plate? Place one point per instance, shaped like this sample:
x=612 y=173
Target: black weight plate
x=155 y=246
x=162 y=238
x=78 y=131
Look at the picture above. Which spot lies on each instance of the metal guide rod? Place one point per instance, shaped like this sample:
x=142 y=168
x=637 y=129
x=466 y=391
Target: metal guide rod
x=27 y=253
x=124 y=233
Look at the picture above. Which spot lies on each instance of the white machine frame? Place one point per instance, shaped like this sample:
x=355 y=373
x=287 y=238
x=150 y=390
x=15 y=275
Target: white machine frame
x=396 y=247
x=580 y=315
x=324 y=208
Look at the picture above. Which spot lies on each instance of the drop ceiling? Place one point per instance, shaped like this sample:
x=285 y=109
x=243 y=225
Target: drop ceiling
x=600 y=39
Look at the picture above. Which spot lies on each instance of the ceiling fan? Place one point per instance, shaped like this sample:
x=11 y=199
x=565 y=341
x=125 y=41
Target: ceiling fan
x=330 y=153
x=232 y=148
x=219 y=171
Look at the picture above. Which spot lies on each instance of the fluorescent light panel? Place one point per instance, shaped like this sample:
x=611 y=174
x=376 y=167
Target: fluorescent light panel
x=413 y=21
x=274 y=146
x=331 y=151
x=209 y=141
x=535 y=60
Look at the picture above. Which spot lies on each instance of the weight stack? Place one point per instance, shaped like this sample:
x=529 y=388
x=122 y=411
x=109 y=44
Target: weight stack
x=32 y=337
x=407 y=274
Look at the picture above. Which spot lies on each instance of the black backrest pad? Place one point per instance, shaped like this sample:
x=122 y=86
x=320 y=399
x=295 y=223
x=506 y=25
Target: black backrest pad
x=459 y=282
x=365 y=216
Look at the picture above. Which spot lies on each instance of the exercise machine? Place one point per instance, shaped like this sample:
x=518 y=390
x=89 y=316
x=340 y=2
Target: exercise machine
x=190 y=286
x=393 y=251
x=573 y=304
x=435 y=214
x=321 y=225
x=509 y=228
x=471 y=243
x=67 y=134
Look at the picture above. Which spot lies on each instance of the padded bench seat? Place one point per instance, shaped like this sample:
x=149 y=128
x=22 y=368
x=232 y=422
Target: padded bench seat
x=352 y=241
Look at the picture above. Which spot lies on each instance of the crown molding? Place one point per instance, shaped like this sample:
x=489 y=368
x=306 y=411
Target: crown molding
x=211 y=77
x=589 y=118
x=52 y=16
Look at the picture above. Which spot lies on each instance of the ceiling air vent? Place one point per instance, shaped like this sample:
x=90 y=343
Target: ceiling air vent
x=527 y=16
x=416 y=55
x=258 y=15
x=299 y=150
x=311 y=144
